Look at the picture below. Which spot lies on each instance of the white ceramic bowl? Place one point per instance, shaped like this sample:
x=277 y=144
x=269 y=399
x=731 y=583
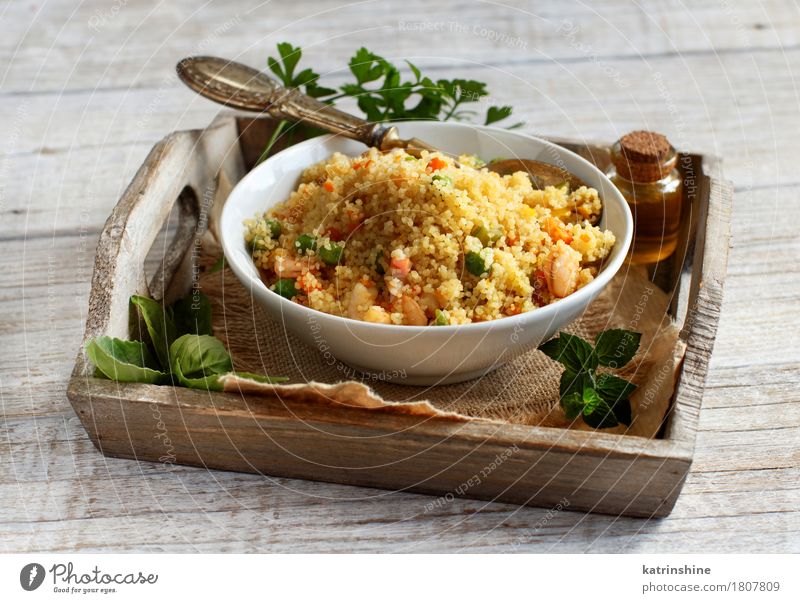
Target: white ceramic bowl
x=418 y=355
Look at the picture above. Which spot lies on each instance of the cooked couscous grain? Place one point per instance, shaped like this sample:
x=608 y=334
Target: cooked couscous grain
x=393 y=239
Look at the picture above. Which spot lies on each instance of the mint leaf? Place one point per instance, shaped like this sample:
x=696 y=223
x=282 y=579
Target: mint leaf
x=571 y=351
x=612 y=388
x=572 y=382
x=616 y=347
x=596 y=411
x=572 y=405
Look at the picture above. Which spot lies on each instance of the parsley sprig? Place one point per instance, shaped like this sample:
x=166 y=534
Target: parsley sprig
x=601 y=399
x=383 y=94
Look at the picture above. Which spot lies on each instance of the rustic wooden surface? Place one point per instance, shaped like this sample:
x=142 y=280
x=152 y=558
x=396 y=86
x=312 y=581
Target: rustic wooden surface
x=87 y=89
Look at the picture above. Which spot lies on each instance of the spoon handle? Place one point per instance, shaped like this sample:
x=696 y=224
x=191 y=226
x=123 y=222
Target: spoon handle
x=242 y=87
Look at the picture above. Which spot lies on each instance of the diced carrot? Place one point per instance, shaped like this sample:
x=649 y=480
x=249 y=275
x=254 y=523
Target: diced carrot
x=557 y=231
x=400 y=267
x=328 y=186
x=436 y=164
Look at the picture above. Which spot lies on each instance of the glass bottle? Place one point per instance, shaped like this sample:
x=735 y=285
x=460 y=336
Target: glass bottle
x=644 y=169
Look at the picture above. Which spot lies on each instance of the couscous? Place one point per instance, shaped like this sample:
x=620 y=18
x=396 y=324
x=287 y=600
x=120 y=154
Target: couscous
x=390 y=238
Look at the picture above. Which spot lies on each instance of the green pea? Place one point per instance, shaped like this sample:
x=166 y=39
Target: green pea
x=475 y=264
x=441 y=319
x=330 y=253
x=286 y=287
x=274 y=228
x=305 y=242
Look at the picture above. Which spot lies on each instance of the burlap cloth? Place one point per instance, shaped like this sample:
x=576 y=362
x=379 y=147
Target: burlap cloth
x=523 y=391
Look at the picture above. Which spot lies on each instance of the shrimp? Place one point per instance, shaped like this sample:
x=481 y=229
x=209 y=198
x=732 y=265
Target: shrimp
x=286 y=267
x=361 y=299
x=561 y=269
x=412 y=313
x=377 y=314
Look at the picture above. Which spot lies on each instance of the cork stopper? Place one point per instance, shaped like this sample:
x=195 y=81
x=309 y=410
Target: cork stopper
x=643 y=156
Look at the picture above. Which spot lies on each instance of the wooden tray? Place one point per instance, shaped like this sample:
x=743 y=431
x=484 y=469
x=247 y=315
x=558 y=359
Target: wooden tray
x=595 y=472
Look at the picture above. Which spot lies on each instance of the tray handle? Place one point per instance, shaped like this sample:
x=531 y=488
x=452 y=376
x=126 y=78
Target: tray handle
x=184 y=167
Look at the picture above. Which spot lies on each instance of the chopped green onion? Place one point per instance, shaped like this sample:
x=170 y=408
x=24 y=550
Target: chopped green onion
x=305 y=242
x=475 y=264
x=274 y=228
x=410 y=158
x=330 y=253
x=286 y=287
x=442 y=178
x=379 y=257
x=487 y=236
x=255 y=243
x=441 y=318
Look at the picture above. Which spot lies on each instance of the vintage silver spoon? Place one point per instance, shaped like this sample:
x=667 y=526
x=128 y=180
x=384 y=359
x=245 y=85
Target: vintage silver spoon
x=241 y=87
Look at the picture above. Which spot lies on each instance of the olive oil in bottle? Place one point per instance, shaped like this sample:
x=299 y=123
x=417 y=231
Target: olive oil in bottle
x=644 y=169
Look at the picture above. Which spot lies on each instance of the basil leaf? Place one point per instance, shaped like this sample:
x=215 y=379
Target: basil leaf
x=571 y=351
x=612 y=388
x=127 y=361
x=210 y=382
x=160 y=326
x=193 y=314
x=616 y=347
x=197 y=356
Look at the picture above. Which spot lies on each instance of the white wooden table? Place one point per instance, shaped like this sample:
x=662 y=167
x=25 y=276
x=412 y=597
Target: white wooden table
x=88 y=87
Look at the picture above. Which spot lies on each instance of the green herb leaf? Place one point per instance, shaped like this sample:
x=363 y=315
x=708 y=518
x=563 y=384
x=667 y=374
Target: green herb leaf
x=572 y=382
x=192 y=314
x=196 y=356
x=571 y=351
x=596 y=412
x=495 y=114
x=616 y=347
x=572 y=405
x=160 y=326
x=612 y=388
x=126 y=361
